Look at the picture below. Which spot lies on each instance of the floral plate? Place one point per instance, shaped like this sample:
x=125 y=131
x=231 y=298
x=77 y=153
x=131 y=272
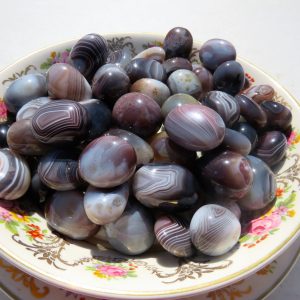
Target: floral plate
x=94 y=270
x=15 y=284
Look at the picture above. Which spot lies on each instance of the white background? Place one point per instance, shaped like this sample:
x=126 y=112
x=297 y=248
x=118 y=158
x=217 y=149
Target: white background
x=265 y=32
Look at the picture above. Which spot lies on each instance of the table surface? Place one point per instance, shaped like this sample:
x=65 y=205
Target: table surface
x=266 y=32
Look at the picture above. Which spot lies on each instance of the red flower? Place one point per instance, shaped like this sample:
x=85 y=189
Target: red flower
x=3 y=111
x=35 y=232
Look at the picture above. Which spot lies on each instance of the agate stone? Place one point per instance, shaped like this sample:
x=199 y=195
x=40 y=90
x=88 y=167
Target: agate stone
x=214 y=230
x=195 y=127
x=107 y=161
x=132 y=233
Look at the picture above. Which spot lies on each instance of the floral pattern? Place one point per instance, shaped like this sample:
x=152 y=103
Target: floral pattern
x=293 y=139
x=113 y=270
x=269 y=269
x=260 y=229
x=14 y=219
x=3 y=111
x=56 y=57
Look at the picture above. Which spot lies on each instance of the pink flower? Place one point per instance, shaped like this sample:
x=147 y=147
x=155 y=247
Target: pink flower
x=291 y=137
x=281 y=211
x=264 y=225
x=112 y=271
x=5 y=215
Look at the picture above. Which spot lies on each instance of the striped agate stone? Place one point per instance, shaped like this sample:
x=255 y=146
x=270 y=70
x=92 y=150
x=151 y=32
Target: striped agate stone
x=174 y=236
x=14 y=175
x=89 y=54
x=195 y=127
x=65 y=82
x=214 y=229
x=59 y=170
x=224 y=104
x=167 y=186
x=60 y=121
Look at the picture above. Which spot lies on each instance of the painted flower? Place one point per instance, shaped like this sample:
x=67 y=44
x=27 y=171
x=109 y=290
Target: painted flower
x=279 y=192
x=291 y=213
x=34 y=231
x=112 y=271
x=3 y=111
x=281 y=211
x=264 y=225
x=5 y=215
x=21 y=218
x=294 y=138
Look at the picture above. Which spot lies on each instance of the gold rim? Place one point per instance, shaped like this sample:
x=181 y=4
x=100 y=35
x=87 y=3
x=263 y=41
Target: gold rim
x=264 y=295
x=200 y=288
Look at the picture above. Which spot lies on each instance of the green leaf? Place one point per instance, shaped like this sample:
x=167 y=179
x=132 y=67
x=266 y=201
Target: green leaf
x=11 y=227
x=283 y=218
x=15 y=223
x=34 y=219
x=131 y=274
x=2 y=221
x=273 y=230
x=245 y=238
x=289 y=200
x=255 y=238
x=90 y=268
x=291 y=205
x=45 y=231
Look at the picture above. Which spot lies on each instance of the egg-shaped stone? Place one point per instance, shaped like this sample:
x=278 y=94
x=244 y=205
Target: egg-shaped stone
x=229 y=77
x=99 y=117
x=104 y=206
x=24 y=89
x=178 y=43
x=260 y=93
x=156 y=53
x=121 y=57
x=177 y=100
x=236 y=142
x=167 y=186
x=65 y=82
x=132 y=233
x=145 y=68
x=176 y=63
x=64 y=212
x=214 y=230
x=14 y=175
x=184 y=81
x=155 y=89
x=251 y=111
x=107 y=162
x=279 y=116
x=271 y=147
x=89 y=54
x=138 y=113
x=59 y=170
x=143 y=151
x=248 y=131
x=214 y=52
x=263 y=189
x=168 y=152
x=109 y=83
x=28 y=109
x=20 y=139
x=206 y=79
x=227 y=203
x=224 y=104
x=174 y=235
x=60 y=121
x=195 y=127
x=228 y=174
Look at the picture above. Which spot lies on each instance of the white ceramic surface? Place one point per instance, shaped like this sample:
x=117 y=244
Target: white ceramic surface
x=32 y=247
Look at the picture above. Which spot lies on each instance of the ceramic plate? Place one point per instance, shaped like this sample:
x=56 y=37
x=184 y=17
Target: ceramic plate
x=27 y=242
x=18 y=285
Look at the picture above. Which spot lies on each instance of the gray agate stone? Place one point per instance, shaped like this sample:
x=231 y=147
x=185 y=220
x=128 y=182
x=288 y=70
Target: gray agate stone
x=104 y=206
x=167 y=186
x=214 y=230
x=184 y=81
x=133 y=232
x=23 y=90
x=263 y=189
